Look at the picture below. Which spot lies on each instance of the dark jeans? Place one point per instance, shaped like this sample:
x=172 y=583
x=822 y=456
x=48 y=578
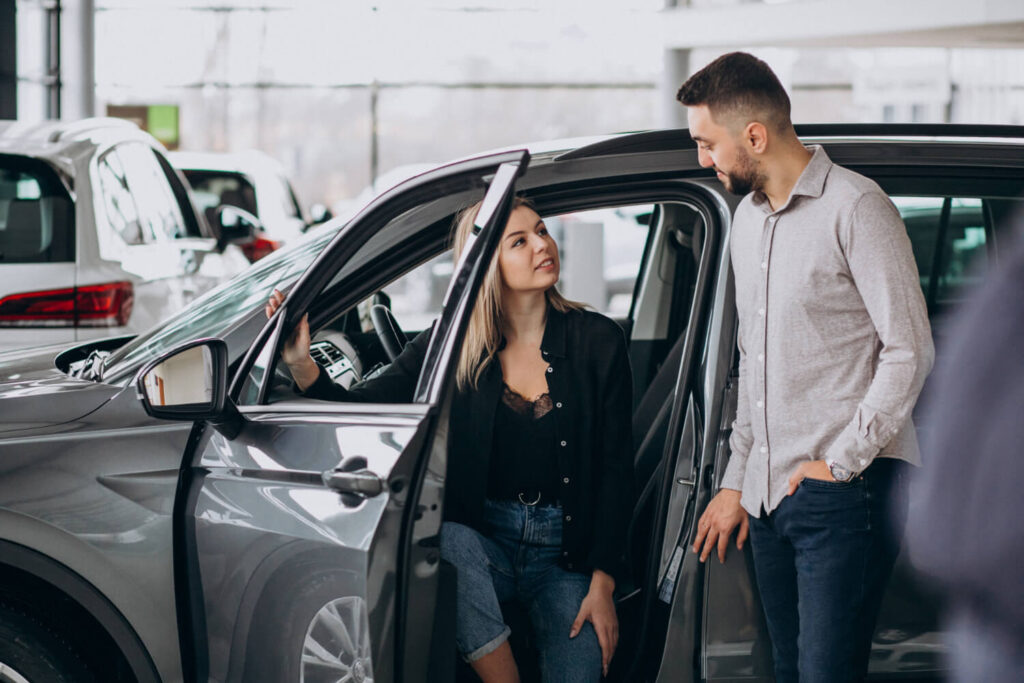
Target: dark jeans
x=822 y=560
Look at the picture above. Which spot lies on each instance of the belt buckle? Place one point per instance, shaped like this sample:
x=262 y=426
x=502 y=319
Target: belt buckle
x=530 y=503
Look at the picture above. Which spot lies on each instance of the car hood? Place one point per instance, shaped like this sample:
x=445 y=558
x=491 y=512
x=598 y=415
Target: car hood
x=36 y=394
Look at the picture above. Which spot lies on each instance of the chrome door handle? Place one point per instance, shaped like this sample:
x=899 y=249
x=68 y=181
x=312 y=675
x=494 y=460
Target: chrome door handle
x=361 y=482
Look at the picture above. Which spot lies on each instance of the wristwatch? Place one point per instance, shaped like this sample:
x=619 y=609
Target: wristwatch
x=840 y=473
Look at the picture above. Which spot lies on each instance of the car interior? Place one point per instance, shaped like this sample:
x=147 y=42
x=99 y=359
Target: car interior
x=666 y=243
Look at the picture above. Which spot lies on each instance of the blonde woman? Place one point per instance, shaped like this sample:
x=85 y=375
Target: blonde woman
x=539 y=489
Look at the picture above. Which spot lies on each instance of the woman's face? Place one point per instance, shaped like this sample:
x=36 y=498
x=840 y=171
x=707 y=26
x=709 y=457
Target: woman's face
x=528 y=256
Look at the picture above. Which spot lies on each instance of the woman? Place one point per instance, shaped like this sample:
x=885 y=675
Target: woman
x=539 y=489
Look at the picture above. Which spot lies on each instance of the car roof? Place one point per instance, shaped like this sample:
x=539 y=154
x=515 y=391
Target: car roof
x=246 y=162
x=65 y=142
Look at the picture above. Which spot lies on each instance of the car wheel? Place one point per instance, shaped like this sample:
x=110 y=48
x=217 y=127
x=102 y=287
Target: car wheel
x=32 y=650
x=319 y=634
x=337 y=644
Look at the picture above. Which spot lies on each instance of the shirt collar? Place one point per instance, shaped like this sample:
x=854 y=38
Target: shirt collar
x=553 y=343
x=811 y=182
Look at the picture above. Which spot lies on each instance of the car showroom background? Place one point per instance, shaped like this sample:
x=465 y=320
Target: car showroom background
x=345 y=93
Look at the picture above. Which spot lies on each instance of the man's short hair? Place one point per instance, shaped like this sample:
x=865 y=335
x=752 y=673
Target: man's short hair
x=740 y=85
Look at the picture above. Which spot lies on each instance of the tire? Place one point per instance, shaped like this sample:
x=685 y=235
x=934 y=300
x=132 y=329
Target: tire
x=32 y=651
x=319 y=636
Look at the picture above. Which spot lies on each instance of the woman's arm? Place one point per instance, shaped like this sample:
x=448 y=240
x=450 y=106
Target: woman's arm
x=395 y=385
x=615 y=484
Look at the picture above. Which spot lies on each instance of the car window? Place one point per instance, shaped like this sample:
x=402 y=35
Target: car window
x=213 y=188
x=158 y=210
x=600 y=252
x=950 y=238
x=36 y=215
x=218 y=311
x=118 y=203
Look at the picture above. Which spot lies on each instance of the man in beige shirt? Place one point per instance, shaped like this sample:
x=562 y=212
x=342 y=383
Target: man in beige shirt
x=834 y=348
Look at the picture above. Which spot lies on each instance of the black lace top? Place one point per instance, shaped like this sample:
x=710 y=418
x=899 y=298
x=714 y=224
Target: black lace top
x=524 y=461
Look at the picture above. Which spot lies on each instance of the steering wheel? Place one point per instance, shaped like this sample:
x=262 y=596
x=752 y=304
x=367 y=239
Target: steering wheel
x=390 y=334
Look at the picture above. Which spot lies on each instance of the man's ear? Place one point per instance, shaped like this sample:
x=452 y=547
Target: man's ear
x=755 y=136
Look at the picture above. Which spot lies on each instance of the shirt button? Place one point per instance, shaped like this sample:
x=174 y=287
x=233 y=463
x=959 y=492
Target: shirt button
x=760 y=404
x=550 y=369
x=764 y=449
x=760 y=311
x=565 y=480
x=558 y=405
x=568 y=518
x=771 y=219
x=764 y=265
x=760 y=357
x=565 y=553
x=863 y=462
x=563 y=444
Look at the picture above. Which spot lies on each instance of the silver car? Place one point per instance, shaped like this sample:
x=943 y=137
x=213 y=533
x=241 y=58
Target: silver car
x=170 y=508
x=98 y=234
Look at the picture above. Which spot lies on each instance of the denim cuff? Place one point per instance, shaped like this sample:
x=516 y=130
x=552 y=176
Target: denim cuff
x=489 y=647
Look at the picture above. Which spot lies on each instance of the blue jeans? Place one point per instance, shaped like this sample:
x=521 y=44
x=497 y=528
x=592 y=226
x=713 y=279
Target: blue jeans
x=822 y=560
x=517 y=559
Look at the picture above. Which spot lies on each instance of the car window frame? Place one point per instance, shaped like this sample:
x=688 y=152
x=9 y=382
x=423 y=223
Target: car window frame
x=447 y=189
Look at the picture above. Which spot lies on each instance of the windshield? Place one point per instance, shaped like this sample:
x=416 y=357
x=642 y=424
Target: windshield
x=218 y=311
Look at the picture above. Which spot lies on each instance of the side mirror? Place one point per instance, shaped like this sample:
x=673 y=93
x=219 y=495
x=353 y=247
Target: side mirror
x=186 y=383
x=319 y=213
x=236 y=225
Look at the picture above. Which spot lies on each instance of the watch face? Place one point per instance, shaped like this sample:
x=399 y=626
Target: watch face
x=840 y=473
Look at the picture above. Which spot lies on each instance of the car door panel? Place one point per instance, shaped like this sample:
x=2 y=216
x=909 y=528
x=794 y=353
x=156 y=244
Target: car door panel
x=299 y=580
x=263 y=502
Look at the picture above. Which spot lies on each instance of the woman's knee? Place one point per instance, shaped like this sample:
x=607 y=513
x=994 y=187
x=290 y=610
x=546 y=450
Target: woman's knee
x=461 y=545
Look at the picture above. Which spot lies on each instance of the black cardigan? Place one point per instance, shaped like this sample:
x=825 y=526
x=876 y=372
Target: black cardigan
x=590 y=384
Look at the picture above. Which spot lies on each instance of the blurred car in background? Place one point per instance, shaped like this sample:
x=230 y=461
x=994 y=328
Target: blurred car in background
x=98 y=233
x=252 y=181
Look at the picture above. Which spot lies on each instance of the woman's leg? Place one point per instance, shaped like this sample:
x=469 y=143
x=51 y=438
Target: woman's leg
x=555 y=602
x=484 y=577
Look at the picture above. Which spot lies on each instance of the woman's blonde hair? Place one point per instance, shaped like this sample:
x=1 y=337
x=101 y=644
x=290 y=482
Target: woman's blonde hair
x=483 y=338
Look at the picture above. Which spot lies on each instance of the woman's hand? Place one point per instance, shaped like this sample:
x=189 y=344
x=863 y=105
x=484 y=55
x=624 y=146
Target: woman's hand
x=295 y=352
x=598 y=608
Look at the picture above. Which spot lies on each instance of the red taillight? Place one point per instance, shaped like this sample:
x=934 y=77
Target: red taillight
x=106 y=305
x=258 y=248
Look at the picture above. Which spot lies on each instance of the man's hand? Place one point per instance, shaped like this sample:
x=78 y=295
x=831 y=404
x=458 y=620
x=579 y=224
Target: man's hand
x=813 y=469
x=598 y=608
x=722 y=515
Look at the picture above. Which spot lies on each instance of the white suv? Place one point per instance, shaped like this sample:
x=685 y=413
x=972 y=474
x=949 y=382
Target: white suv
x=98 y=234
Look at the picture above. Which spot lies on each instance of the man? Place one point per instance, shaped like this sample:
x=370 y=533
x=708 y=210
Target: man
x=834 y=348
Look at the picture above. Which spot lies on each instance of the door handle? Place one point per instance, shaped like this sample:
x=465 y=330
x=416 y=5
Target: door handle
x=361 y=482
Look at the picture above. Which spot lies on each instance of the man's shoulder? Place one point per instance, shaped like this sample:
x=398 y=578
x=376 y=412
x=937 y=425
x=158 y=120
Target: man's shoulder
x=846 y=185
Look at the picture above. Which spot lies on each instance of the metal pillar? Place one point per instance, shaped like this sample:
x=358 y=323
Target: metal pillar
x=675 y=70
x=8 y=60
x=77 y=64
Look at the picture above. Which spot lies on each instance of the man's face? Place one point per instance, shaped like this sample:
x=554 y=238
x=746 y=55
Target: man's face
x=718 y=148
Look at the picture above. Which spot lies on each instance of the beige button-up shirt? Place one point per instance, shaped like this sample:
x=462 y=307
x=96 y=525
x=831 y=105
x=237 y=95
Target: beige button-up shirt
x=833 y=332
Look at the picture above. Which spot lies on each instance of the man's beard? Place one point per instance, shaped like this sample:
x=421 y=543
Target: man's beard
x=745 y=178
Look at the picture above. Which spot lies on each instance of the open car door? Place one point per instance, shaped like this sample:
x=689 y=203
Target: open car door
x=307 y=530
